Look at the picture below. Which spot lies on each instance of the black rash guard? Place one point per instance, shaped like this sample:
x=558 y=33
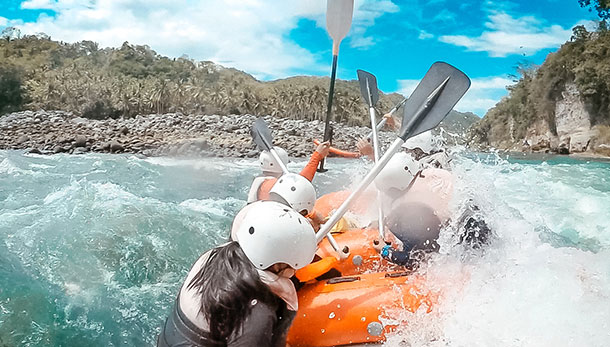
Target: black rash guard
x=266 y=325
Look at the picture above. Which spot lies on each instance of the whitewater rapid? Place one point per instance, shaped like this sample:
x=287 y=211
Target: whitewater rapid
x=94 y=247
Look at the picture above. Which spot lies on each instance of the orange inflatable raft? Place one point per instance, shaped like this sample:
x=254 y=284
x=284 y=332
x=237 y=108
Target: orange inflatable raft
x=357 y=309
x=370 y=299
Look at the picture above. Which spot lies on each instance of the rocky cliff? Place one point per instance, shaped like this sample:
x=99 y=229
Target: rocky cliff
x=562 y=106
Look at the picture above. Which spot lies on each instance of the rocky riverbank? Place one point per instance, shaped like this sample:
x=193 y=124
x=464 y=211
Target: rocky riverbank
x=171 y=134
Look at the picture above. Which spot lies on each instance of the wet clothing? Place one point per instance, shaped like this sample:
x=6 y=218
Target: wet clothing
x=262 y=185
x=267 y=325
x=416 y=217
x=433 y=188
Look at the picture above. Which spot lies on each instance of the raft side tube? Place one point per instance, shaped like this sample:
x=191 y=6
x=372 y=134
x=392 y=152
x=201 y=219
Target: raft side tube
x=345 y=312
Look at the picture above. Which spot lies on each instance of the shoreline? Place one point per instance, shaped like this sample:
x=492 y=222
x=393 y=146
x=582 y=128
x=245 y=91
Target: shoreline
x=171 y=134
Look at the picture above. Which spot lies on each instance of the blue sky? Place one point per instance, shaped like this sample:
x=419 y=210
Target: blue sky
x=397 y=40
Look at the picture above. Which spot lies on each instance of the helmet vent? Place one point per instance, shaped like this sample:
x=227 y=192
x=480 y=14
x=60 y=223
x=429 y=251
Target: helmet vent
x=293 y=188
x=251 y=230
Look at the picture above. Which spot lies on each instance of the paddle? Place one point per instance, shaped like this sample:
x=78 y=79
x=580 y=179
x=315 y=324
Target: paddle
x=385 y=117
x=261 y=135
x=440 y=89
x=370 y=95
x=338 y=21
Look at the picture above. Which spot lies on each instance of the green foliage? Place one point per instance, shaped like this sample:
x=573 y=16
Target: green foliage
x=602 y=7
x=579 y=33
x=11 y=91
x=133 y=79
x=584 y=61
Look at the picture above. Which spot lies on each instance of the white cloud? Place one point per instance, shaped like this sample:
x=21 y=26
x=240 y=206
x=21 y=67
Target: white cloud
x=365 y=14
x=3 y=21
x=484 y=93
x=424 y=35
x=37 y=5
x=444 y=16
x=251 y=35
x=507 y=35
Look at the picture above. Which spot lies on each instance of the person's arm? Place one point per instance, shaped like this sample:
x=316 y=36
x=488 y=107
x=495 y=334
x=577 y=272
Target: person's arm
x=393 y=123
x=265 y=188
x=365 y=148
x=320 y=153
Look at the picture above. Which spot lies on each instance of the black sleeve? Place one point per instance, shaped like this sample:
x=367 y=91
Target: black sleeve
x=257 y=329
x=399 y=257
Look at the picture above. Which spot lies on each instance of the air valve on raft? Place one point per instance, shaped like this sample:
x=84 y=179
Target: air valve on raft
x=374 y=329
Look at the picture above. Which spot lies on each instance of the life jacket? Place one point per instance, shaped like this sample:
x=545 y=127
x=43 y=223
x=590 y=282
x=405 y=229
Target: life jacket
x=259 y=190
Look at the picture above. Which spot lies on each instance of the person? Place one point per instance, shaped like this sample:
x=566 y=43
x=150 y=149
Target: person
x=418 y=197
x=271 y=170
x=240 y=293
x=415 y=218
x=424 y=147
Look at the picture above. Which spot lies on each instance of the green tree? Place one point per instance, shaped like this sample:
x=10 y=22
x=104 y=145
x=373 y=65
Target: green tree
x=602 y=7
x=579 y=33
x=11 y=91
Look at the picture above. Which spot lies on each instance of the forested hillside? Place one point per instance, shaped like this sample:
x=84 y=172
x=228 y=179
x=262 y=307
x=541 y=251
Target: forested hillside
x=568 y=93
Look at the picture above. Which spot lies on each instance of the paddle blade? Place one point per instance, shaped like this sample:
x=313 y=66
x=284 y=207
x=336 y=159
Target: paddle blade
x=368 y=87
x=339 y=18
x=440 y=89
x=261 y=135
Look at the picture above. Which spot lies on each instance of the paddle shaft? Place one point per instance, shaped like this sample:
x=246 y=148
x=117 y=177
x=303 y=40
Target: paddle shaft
x=395 y=147
x=409 y=129
x=380 y=227
x=384 y=120
x=279 y=161
x=329 y=104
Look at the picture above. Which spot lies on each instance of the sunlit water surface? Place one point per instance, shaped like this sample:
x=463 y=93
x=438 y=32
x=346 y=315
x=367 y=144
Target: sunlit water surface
x=94 y=247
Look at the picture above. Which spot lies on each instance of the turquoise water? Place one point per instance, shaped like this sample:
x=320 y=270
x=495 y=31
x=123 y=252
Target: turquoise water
x=93 y=248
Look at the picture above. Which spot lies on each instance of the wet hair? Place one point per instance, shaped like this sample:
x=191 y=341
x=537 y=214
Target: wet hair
x=228 y=283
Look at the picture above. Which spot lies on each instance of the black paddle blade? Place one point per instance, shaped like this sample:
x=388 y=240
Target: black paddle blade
x=440 y=89
x=368 y=87
x=261 y=135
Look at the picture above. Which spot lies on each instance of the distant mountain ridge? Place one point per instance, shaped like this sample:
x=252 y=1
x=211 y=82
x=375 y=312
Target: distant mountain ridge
x=39 y=73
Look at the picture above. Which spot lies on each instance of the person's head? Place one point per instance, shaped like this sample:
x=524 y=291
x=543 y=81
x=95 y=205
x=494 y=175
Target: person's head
x=269 y=236
x=269 y=165
x=272 y=233
x=422 y=144
x=415 y=224
x=397 y=174
x=295 y=191
x=227 y=285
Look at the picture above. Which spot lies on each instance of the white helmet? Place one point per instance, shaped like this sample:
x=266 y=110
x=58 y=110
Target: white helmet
x=272 y=233
x=268 y=162
x=397 y=173
x=296 y=191
x=425 y=141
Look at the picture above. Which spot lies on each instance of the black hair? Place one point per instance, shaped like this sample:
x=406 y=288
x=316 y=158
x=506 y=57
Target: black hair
x=228 y=283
